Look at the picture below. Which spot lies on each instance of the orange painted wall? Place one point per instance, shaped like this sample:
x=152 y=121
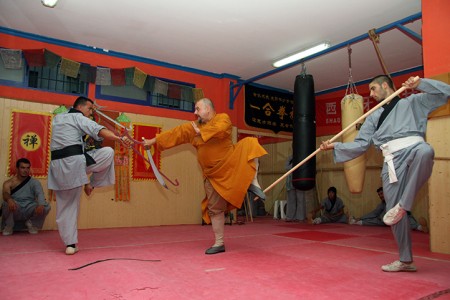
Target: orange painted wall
x=215 y=88
x=436 y=41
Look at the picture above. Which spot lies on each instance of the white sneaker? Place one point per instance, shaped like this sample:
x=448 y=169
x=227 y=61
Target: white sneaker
x=7 y=230
x=31 y=228
x=71 y=250
x=394 y=215
x=317 y=221
x=352 y=221
x=398 y=266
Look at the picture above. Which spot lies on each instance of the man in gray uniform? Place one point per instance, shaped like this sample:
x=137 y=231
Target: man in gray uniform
x=375 y=217
x=70 y=165
x=398 y=129
x=24 y=200
x=332 y=209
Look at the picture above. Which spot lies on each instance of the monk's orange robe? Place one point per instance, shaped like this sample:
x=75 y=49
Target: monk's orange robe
x=229 y=167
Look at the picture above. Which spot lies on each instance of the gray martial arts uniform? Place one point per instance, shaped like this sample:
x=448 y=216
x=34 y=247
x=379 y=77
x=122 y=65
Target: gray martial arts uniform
x=296 y=199
x=375 y=217
x=27 y=198
x=413 y=164
x=68 y=175
x=329 y=210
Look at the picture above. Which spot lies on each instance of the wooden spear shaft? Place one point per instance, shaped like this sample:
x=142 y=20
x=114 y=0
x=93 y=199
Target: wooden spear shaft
x=392 y=96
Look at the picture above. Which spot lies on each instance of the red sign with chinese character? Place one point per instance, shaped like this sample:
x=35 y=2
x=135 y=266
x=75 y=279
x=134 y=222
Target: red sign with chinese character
x=141 y=169
x=30 y=138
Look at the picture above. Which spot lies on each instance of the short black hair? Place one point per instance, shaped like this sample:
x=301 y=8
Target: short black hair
x=22 y=160
x=81 y=101
x=383 y=78
x=380 y=189
x=332 y=189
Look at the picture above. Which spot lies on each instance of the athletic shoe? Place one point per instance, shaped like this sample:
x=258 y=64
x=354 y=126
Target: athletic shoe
x=31 y=228
x=7 y=230
x=71 y=250
x=317 y=220
x=394 y=215
x=398 y=266
x=352 y=221
x=215 y=250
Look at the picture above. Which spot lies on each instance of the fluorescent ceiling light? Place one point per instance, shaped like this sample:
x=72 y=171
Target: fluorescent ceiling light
x=49 y=3
x=300 y=55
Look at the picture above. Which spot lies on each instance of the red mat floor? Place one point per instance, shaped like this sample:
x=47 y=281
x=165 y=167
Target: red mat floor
x=266 y=259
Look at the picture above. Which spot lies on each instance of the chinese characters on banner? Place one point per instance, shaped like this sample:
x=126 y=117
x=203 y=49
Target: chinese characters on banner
x=141 y=169
x=30 y=138
x=328 y=112
x=269 y=109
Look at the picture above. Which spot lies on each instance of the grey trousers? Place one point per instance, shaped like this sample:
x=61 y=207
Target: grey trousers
x=24 y=214
x=68 y=201
x=296 y=205
x=413 y=168
x=372 y=222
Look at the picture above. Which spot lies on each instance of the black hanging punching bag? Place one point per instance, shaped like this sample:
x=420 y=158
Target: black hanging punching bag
x=304 y=137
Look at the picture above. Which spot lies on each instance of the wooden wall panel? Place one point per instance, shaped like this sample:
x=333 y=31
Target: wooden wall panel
x=439 y=207
x=331 y=174
x=150 y=203
x=439 y=191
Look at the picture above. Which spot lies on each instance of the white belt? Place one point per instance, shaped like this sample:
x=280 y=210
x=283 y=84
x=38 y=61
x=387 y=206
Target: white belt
x=390 y=147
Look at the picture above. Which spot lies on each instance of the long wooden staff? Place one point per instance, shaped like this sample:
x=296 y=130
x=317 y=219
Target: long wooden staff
x=392 y=96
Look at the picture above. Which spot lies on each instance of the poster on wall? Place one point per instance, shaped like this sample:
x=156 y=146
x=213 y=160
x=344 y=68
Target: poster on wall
x=141 y=168
x=29 y=138
x=269 y=109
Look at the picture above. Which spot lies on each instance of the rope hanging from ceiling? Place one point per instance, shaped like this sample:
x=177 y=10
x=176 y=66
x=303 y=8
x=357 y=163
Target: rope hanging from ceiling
x=375 y=38
x=352 y=108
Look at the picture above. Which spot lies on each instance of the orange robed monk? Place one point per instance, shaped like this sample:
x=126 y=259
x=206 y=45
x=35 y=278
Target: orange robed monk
x=229 y=169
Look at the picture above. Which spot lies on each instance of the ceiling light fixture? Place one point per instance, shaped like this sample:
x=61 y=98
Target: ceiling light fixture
x=49 y=3
x=302 y=54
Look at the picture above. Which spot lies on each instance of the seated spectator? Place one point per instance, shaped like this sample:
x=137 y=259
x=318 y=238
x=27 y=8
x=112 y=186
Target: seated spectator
x=23 y=200
x=375 y=217
x=332 y=209
x=422 y=225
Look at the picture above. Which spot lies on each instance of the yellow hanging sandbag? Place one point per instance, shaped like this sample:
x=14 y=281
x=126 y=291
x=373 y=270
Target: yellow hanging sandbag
x=352 y=108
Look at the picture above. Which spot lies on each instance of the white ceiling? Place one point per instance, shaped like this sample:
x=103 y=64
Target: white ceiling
x=238 y=37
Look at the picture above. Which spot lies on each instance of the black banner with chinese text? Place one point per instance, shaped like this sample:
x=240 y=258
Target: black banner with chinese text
x=269 y=109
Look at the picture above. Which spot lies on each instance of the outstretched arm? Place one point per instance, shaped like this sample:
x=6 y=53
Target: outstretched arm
x=149 y=143
x=109 y=135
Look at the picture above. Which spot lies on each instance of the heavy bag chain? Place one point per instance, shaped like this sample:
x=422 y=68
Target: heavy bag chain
x=351 y=87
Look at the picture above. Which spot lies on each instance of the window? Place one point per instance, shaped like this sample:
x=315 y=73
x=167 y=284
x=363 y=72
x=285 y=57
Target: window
x=134 y=95
x=165 y=101
x=50 y=79
x=13 y=76
x=44 y=78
